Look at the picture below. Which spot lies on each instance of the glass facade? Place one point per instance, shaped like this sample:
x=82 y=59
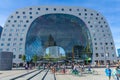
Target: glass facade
x=66 y=31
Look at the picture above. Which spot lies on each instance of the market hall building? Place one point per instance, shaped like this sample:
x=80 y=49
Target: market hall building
x=76 y=32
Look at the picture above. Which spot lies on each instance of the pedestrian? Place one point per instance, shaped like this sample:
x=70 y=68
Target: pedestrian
x=64 y=68
x=108 y=72
x=116 y=73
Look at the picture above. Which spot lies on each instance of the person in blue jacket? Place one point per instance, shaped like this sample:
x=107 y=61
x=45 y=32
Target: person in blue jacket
x=108 y=72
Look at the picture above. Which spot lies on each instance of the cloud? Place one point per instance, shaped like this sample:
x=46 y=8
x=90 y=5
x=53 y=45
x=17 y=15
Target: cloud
x=2 y=20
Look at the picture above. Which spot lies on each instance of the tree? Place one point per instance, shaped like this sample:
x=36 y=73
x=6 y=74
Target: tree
x=23 y=58
x=47 y=56
x=35 y=59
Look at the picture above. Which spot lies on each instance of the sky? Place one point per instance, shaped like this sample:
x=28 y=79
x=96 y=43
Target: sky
x=109 y=8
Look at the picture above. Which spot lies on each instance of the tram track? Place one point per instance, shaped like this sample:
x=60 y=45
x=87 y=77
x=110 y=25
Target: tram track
x=24 y=75
x=36 y=75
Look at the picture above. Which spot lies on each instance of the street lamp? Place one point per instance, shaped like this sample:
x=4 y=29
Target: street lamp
x=105 y=53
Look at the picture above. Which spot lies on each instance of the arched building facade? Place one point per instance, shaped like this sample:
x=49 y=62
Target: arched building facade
x=27 y=31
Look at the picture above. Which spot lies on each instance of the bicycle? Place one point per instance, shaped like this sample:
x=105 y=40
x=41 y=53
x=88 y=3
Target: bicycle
x=76 y=73
x=94 y=72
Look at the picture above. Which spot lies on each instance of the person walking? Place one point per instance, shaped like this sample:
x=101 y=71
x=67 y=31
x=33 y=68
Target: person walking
x=116 y=73
x=108 y=72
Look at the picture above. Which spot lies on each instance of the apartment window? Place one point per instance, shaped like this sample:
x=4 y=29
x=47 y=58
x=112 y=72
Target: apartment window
x=10 y=34
x=15 y=21
x=38 y=8
x=11 y=16
x=79 y=13
x=70 y=9
x=85 y=14
x=106 y=43
x=37 y=13
x=18 y=17
x=77 y=9
x=101 y=18
x=22 y=34
x=96 y=54
x=111 y=43
x=27 y=21
x=20 y=56
x=62 y=9
x=112 y=48
x=15 y=39
x=95 y=39
x=1 y=49
x=13 y=25
x=85 y=9
x=96 y=48
x=102 y=54
x=54 y=9
x=24 y=17
x=97 y=14
x=4 y=34
x=7 y=49
x=3 y=39
x=89 y=22
x=101 y=43
x=30 y=17
x=101 y=26
x=20 y=49
x=14 y=50
x=14 y=44
x=5 y=29
x=30 y=12
x=91 y=14
x=23 y=12
x=30 y=8
x=46 y=8
x=24 y=25
x=9 y=39
x=2 y=44
x=99 y=22
x=113 y=55
x=96 y=18
x=91 y=26
x=9 y=21
x=14 y=56
x=11 y=30
x=17 y=12
x=8 y=44
x=21 y=39
x=20 y=44
x=95 y=43
x=19 y=25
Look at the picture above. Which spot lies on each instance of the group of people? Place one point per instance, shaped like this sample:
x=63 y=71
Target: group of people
x=115 y=73
x=74 y=68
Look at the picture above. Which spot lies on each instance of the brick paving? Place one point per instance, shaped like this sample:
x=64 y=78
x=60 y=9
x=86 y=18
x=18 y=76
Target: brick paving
x=7 y=75
x=100 y=76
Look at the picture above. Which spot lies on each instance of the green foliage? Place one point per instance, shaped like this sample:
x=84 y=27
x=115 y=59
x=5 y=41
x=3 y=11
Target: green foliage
x=47 y=56
x=63 y=57
x=35 y=58
x=23 y=58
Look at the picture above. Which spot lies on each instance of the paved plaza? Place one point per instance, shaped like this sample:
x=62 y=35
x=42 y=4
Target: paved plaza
x=21 y=74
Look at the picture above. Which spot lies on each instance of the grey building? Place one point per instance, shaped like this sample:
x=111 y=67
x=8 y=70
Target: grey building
x=26 y=32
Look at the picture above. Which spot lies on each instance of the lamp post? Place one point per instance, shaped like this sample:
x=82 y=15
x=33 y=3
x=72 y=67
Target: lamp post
x=105 y=51
x=106 y=54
